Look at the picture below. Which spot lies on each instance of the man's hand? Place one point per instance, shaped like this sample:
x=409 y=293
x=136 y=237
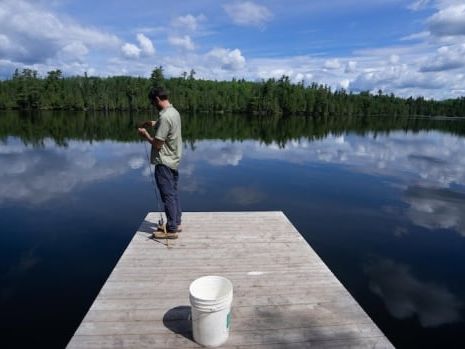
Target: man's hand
x=155 y=142
x=143 y=132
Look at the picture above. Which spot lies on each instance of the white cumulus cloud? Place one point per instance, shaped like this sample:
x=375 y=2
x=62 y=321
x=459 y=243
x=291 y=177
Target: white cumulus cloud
x=39 y=34
x=188 y=22
x=247 y=13
x=76 y=50
x=446 y=58
x=351 y=66
x=448 y=21
x=130 y=50
x=228 y=59
x=184 y=42
x=145 y=45
x=419 y=5
x=332 y=64
x=345 y=83
x=394 y=59
x=396 y=78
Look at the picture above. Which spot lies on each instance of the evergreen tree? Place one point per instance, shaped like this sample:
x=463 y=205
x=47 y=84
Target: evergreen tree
x=26 y=90
x=157 y=78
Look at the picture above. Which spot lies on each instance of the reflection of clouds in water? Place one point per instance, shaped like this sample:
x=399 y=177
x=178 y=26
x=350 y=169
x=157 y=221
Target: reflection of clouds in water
x=188 y=182
x=433 y=158
x=37 y=175
x=244 y=195
x=136 y=162
x=11 y=147
x=11 y=167
x=436 y=208
x=405 y=296
x=146 y=171
x=216 y=153
x=230 y=154
x=430 y=158
x=425 y=158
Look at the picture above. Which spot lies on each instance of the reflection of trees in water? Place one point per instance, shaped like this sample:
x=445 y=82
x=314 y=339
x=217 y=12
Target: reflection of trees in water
x=62 y=126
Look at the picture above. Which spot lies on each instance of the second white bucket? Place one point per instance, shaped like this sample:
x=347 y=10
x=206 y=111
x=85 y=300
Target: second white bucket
x=211 y=298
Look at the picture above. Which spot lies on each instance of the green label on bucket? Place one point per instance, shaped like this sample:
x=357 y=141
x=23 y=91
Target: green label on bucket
x=228 y=320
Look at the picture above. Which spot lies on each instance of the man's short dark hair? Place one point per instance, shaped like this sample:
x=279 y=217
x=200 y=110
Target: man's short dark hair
x=158 y=92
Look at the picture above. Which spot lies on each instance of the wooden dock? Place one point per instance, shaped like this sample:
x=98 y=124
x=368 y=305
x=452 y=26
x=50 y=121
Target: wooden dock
x=284 y=295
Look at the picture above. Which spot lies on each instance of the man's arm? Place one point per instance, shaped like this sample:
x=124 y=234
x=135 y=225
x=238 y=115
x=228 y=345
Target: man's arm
x=154 y=141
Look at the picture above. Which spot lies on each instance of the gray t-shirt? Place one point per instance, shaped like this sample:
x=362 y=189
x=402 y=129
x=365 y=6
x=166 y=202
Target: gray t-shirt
x=168 y=129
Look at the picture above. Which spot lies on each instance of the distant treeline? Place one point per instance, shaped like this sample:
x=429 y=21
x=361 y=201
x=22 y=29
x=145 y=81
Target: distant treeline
x=28 y=91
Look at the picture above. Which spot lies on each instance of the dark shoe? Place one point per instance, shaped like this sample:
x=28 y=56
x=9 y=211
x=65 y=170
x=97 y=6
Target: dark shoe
x=163 y=235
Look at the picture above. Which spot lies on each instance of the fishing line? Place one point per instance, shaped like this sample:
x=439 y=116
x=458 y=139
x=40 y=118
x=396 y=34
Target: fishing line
x=152 y=177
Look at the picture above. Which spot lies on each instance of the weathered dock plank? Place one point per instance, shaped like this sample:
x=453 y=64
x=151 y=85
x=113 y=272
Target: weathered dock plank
x=284 y=295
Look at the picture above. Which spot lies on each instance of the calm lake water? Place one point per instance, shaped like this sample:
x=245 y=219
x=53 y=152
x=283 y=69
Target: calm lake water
x=381 y=200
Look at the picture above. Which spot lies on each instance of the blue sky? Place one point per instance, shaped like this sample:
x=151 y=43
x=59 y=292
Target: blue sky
x=408 y=47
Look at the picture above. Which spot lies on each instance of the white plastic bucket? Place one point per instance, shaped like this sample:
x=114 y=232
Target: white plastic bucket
x=211 y=298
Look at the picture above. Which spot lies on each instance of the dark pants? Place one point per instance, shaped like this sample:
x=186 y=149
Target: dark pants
x=167 y=182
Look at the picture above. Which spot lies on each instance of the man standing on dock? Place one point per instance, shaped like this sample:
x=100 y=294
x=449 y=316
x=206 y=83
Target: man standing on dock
x=166 y=155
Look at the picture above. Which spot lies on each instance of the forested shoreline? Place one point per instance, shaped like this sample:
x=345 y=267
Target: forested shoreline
x=26 y=90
